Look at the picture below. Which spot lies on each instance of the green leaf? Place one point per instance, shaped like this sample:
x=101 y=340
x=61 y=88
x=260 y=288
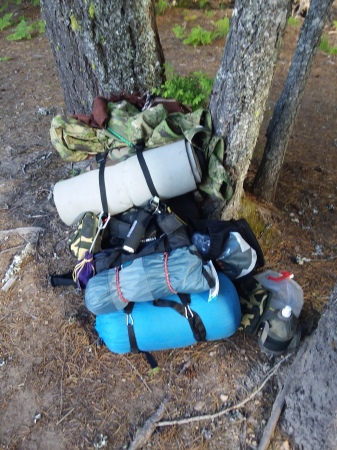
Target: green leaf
x=5 y=21
x=21 y=32
x=179 y=31
x=325 y=46
x=222 y=26
x=198 y=36
x=192 y=90
x=25 y=31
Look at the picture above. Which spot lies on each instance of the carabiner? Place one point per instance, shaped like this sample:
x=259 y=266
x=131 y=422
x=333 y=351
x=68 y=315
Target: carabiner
x=129 y=320
x=102 y=223
x=188 y=312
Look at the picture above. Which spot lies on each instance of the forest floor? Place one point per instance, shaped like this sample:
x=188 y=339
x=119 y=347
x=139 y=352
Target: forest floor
x=58 y=388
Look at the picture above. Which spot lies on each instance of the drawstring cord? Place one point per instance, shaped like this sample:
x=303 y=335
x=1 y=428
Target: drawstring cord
x=118 y=285
x=167 y=276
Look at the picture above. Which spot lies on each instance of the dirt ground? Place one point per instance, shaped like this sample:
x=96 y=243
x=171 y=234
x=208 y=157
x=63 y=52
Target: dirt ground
x=58 y=388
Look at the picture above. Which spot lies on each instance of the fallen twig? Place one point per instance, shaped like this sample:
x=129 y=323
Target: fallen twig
x=9 y=283
x=21 y=230
x=65 y=416
x=144 y=435
x=140 y=376
x=279 y=401
x=10 y=249
x=15 y=267
x=300 y=260
x=227 y=410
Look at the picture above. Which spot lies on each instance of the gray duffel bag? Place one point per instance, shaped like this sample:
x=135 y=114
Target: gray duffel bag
x=148 y=278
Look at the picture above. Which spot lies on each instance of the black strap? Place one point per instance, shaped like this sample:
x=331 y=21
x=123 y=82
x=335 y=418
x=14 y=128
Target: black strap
x=101 y=160
x=132 y=337
x=65 y=279
x=210 y=280
x=145 y=169
x=131 y=332
x=194 y=320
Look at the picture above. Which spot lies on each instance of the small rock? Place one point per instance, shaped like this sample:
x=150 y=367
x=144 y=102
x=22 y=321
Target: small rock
x=100 y=441
x=199 y=406
x=207 y=434
x=44 y=111
x=223 y=398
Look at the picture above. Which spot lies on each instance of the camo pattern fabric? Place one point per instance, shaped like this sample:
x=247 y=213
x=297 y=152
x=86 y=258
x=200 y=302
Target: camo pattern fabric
x=127 y=126
x=254 y=301
x=81 y=240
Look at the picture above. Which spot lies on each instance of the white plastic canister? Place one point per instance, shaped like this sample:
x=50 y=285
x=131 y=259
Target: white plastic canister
x=174 y=170
x=286 y=292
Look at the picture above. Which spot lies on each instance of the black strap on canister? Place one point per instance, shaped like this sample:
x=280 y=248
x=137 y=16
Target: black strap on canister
x=145 y=169
x=101 y=160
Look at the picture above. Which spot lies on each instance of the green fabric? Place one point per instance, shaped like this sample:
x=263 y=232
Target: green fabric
x=76 y=141
x=81 y=240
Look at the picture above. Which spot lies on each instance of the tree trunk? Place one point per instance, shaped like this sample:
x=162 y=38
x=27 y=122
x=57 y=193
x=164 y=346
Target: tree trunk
x=286 y=109
x=103 y=47
x=311 y=402
x=242 y=84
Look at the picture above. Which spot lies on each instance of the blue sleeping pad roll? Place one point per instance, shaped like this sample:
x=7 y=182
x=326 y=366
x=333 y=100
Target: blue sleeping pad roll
x=162 y=328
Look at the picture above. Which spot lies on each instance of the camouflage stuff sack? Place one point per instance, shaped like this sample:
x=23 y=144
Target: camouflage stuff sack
x=255 y=301
x=81 y=240
x=126 y=126
x=75 y=141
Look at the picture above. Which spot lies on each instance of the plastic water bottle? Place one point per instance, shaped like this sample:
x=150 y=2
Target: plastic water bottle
x=284 y=289
x=280 y=330
x=202 y=242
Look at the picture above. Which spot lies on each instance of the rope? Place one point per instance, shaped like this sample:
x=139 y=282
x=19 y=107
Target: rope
x=118 y=285
x=167 y=276
x=79 y=267
x=121 y=138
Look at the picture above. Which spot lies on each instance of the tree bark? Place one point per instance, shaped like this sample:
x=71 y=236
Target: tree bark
x=284 y=116
x=311 y=402
x=103 y=47
x=242 y=84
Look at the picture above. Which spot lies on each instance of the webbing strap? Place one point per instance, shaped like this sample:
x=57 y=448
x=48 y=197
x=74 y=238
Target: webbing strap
x=194 y=320
x=145 y=169
x=132 y=337
x=101 y=160
x=131 y=332
x=65 y=279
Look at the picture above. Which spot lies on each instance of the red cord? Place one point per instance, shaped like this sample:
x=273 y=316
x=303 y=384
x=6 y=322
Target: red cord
x=166 y=255
x=121 y=296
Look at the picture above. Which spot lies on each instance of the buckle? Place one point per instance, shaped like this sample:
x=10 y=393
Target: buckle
x=188 y=312
x=129 y=320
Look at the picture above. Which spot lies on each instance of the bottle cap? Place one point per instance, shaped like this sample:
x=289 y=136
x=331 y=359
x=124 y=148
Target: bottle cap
x=286 y=311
